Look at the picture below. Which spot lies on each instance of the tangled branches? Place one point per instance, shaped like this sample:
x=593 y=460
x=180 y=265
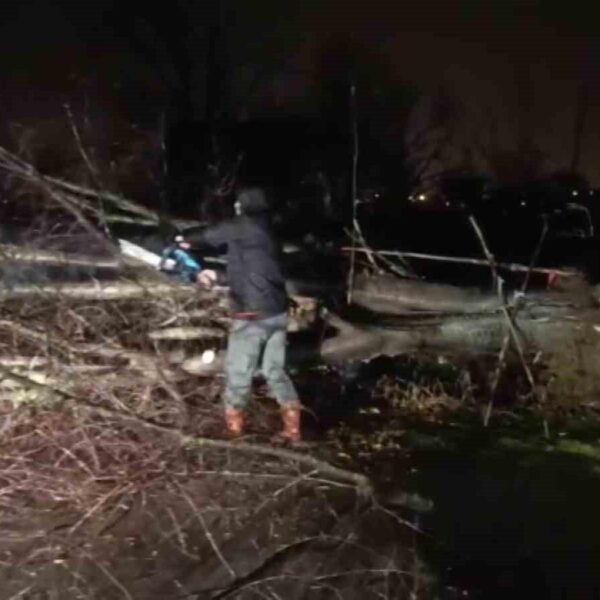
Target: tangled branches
x=114 y=482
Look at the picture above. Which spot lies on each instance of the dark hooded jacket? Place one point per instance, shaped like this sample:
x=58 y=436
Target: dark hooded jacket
x=254 y=275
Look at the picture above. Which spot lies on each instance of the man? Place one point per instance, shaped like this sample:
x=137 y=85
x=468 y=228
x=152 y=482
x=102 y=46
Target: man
x=183 y=264
x=259 y=305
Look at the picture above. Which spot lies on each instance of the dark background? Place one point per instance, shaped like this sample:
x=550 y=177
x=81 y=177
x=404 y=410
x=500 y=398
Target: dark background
x=505 y=92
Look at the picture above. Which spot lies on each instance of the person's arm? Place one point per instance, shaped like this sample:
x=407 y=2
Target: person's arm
x=218 y=235
x=187 y=261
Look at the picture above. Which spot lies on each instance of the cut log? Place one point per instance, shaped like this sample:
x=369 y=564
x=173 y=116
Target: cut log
x=392 y=296
x=11 y=254
x=396 y=297
x=558 y=334
x=98 y=291
x=28 y=362
x=187 y=333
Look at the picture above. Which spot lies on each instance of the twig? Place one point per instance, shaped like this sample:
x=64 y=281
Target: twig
x=288 y=486
x=92 y=170
x=338 y=575
x=207 y=533
x=535 y=255
x=489 y=256
x=272 y=476
x=519 y=346
x=500 y=364
x=69 y=206
x=354 y=189
x=513 y=267
x=98 y=505
x=512 y=317
x=506 y=342
x=509 y=319
x=365 y=248
x=113 y=579
x=21 y=593
x=163 y=160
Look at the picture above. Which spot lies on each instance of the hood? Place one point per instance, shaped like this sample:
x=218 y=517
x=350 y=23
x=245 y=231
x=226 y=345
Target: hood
x=252 y=201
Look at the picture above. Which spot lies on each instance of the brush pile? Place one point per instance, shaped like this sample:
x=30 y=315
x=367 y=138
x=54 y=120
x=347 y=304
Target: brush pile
x=115 y=482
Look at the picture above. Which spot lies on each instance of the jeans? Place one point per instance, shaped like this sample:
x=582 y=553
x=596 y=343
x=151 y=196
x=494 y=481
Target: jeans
x=254 y=344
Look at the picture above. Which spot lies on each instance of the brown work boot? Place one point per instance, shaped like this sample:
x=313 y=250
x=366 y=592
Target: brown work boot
x=234 y=419
x=290 y=413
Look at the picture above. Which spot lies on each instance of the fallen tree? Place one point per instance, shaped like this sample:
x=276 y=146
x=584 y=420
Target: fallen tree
x=125 y=441
x=557 y=332
x=107 y=443
x=542 y=329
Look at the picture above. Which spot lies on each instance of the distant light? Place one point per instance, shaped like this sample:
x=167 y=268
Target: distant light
x=575 y=193
x=447 y=203
x=591 y=192
x=523 y=203
x=422 y=197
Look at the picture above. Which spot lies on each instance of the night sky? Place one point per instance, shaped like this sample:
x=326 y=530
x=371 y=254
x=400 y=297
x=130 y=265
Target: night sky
x=521 y=70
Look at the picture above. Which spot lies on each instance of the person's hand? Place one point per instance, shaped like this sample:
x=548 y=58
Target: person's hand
x=206 y=278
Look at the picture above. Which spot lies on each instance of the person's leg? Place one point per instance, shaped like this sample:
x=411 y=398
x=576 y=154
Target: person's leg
x=243 y=354
x=273 y=368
